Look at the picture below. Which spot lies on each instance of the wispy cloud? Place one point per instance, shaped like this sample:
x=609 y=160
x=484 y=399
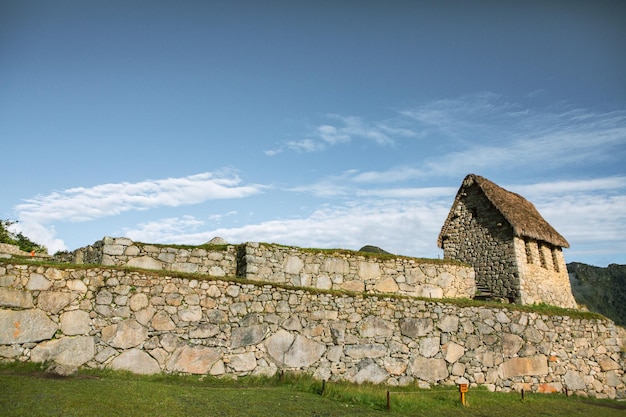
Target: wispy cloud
x=83 y=204
x=399 y=227
x=88 y=203
x=487 y=133
x=344 y=129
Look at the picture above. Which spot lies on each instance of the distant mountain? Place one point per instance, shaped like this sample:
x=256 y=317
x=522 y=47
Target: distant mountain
x=602 y=290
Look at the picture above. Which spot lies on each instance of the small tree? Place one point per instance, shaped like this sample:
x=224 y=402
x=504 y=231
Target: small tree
x=18 y=239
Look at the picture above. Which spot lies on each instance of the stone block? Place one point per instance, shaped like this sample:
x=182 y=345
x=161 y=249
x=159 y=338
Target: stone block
x=71 y=351
x=136 y=361
x=246 y=336
x=10 y=297
x=38 y=282
x=430 y=370
x=193 y=360
x=75 y=322
x=145 y=262
x=534 y=365
x=25 y=326
x=416 y=327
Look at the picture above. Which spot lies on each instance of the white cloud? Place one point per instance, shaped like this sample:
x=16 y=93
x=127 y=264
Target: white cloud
x=83 y=204
x=399 y=227
x=89 y=203
x=345 y=130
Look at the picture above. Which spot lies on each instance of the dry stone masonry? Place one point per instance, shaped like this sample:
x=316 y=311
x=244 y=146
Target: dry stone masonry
x=337 y=270
x=146 y=323
x=357 y=272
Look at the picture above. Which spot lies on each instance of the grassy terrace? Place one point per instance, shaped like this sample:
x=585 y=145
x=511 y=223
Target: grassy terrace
x=29 y=391
x=544 y=309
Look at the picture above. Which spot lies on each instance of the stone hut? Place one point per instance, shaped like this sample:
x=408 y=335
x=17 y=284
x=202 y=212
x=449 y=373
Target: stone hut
x=516 y=254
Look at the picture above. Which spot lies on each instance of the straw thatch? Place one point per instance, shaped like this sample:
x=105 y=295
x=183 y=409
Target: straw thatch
x=519 y=212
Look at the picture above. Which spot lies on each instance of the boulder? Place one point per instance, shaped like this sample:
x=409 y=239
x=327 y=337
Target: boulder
x=251 y=335
x=125 y=335
x=293 y=351
x=71 y=351
x=430 y=370
x=532 y=365
x=136 y=361
x=10 y=297
x=145 y=262
x=75 y=322
x=25 y=326
x=193 y=360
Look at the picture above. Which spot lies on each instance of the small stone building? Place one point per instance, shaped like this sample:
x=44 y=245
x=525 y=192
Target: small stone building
x=516 y=254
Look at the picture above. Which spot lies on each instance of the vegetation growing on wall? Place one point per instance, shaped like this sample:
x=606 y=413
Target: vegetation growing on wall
x=18 y=239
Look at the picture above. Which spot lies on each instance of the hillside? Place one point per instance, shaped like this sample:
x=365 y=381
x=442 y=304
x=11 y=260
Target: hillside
x=602 y=290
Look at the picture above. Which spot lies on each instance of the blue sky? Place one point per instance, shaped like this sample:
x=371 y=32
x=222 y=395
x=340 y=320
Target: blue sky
x=315 y=124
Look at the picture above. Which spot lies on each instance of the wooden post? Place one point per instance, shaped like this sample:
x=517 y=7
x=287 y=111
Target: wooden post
x=388 y=402
x=463 y=388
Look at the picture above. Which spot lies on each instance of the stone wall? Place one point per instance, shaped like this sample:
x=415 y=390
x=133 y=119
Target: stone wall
x=479 y=235
x=343 y=270
x=357 y=272
x=214 y=260
x=144 y=323
x=543 y=274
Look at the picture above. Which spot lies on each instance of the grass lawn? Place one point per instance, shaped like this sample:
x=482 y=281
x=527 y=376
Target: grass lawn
x=27 y=391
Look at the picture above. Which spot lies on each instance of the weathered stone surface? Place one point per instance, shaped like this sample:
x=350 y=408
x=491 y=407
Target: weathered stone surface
x=365 y=351
x=387 y=285
x=76 y=285
x=448 y=324
x=369 y=270
x=608 y=364
x=293 y=265
x=72 y=351
x=533 y=365
x=53 y=302
x=192 y=313
x=193 y=360
x=354 y=285
x=75 y=322
x=251 y=335
x=370 y=372
x=10 y=297
x=162 y=321
x=395 y=366
x=136 y=361
x=374 y=326
x=293 y=351
x=429 y=346
x=204 y=330
x=452 y=351
x=145 y=262
x=574 y=381
x=9 y=352
x=430 y=370
x=415 y=328
x=125 y=335
x=244 y=362
x=335 y=266
x=138 y=301
x=25 y=326
x=511 y=344
x=38 y=282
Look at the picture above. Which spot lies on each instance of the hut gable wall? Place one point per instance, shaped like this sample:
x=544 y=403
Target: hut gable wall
x=543 y=274
x=477 y=233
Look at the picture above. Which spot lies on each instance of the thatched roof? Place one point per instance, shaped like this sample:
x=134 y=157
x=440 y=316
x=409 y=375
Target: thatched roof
x=519 y=212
